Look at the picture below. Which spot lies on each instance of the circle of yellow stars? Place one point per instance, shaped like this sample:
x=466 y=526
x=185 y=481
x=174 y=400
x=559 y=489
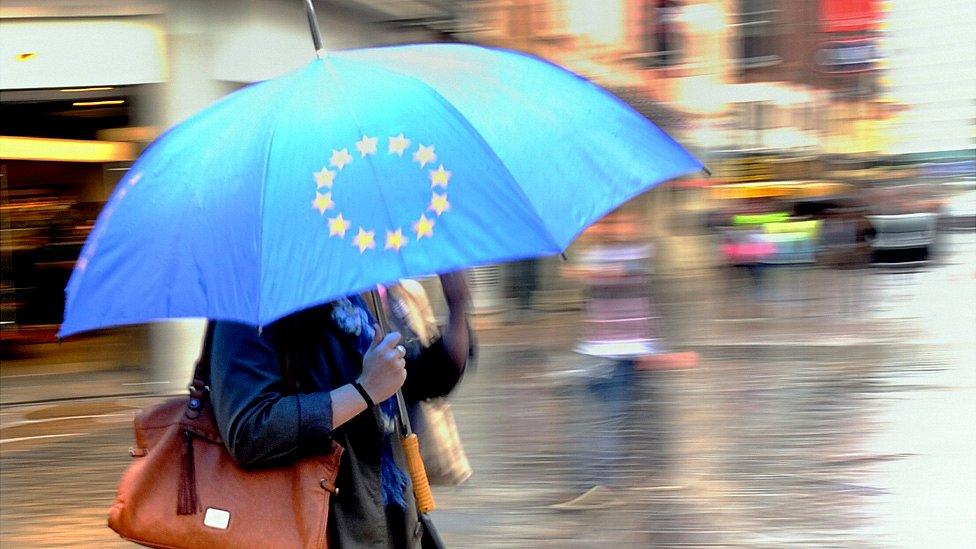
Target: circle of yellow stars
x=365 y=238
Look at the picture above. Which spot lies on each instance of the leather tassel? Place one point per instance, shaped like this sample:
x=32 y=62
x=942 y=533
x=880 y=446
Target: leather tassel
x=187 y=497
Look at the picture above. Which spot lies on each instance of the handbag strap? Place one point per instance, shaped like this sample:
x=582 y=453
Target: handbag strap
x=200 y=384
x=187 y=501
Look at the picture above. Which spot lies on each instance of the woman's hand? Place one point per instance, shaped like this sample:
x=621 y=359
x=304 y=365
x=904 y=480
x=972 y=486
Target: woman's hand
x=384 y=368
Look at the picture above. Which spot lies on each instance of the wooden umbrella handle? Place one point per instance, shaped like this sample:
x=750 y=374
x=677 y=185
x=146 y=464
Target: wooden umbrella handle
x=418 y=474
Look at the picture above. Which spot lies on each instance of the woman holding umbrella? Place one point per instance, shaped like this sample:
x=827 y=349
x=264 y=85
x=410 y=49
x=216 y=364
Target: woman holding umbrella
x=362 y=167
x=330 y=373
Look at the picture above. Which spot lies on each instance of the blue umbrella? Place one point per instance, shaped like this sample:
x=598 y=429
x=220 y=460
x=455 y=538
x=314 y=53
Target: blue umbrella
x=362 y=167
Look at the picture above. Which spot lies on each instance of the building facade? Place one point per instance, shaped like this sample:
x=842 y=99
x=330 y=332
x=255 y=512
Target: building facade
x=86 y=85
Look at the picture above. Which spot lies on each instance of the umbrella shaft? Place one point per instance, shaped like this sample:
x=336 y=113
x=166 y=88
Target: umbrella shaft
x=313 y=25
x=380 y=313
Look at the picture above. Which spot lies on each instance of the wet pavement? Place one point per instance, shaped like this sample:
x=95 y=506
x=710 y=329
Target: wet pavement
x=829 y=409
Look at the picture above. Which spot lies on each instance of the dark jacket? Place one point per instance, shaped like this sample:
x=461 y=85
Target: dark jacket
x=270 y=392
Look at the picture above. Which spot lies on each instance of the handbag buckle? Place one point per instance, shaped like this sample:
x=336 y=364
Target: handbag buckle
x=329 y=486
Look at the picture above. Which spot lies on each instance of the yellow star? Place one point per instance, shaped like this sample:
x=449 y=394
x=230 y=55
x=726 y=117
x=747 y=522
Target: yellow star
x=423 y=227
x=340 y=158
x=364 y=240
x=399 y=144
x=338 y=226
x=366 y=145
x=439 y=177
x=324 y=178
x=323 y=202
x=424 y=155
x=395 y=240
x=439 y=204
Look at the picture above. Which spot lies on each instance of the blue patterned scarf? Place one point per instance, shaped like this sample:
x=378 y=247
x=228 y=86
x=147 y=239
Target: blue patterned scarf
x=352 y=317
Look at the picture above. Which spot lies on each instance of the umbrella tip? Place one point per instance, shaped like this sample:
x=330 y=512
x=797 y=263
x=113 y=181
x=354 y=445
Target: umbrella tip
x=563 y=255
x=706 y=170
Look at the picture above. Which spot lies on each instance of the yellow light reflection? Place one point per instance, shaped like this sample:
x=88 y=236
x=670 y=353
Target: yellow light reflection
x=65 y=150
x=98 y=103
x=95 y=88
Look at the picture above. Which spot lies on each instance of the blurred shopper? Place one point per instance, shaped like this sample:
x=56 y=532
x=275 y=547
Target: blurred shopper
x=411 y=314
x=618 y=317
x=746 y=251
x=845 y=247
x=329 y=373
x=623 y=333
x=523 y=281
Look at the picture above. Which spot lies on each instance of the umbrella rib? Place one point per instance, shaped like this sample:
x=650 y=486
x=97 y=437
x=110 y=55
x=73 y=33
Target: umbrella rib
x=467 y=123
x=518 y=97
x=474 y=131
x=328 y=61
x=261 y=205
x=518 y=188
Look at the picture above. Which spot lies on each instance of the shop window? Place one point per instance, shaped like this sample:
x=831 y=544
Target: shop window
x=756 y=23
x=661 y=39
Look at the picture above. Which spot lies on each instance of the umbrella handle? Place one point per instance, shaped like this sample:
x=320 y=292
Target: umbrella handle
x=418 y=474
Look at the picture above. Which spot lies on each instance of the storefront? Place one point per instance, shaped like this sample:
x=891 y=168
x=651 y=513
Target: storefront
x=86 y=85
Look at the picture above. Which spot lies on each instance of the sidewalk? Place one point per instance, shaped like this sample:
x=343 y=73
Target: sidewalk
x=769 y=447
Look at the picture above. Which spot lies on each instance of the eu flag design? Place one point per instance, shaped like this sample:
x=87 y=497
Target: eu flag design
x=365 y=237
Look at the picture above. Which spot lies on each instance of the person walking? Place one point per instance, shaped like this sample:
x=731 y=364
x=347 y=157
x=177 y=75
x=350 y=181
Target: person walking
x=623 y=333
x=330 y=373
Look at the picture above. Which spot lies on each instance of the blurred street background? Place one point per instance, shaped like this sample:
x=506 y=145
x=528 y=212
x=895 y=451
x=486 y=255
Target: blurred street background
x=811 y=305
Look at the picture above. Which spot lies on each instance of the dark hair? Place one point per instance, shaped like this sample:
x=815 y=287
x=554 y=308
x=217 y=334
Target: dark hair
x=296 y=337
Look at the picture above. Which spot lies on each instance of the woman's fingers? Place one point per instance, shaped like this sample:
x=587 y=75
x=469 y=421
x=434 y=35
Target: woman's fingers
x=383 y=341
x=389 y=350
x=389 y=342
x=384 y=368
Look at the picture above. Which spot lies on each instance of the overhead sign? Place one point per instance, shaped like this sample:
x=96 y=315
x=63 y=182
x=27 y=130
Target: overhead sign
x=847 y=56
x=42 y=53
x=849 y=15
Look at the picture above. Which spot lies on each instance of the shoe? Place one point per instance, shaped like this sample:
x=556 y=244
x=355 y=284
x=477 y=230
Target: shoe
x=598 y=497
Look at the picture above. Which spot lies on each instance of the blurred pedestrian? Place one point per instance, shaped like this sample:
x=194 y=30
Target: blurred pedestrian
x=432 y=419
x=623 y=333
x=618 y=317
x=748 y=249
x=523 y=281
x=330 y=373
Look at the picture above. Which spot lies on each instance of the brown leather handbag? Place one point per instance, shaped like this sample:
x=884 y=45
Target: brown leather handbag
x=183 y=489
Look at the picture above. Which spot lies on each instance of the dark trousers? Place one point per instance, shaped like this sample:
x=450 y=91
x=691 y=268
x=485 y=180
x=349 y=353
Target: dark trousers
x=604 y=437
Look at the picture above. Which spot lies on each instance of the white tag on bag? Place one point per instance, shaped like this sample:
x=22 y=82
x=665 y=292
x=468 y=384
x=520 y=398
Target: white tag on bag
x=216 y=518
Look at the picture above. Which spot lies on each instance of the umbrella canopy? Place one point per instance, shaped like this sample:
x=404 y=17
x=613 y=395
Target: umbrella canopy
x=361 y=168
